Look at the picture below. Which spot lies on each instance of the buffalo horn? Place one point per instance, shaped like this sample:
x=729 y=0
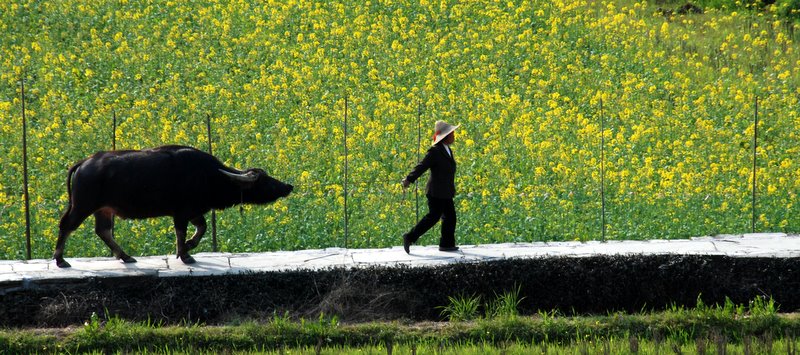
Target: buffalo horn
x=246 y=177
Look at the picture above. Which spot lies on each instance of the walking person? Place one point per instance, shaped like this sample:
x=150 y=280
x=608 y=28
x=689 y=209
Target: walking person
x=440 y=191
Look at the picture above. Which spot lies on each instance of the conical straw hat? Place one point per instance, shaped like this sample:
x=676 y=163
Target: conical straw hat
x=441 y=130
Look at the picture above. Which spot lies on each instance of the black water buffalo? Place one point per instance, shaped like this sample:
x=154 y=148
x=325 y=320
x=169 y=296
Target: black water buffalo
x=181 y=182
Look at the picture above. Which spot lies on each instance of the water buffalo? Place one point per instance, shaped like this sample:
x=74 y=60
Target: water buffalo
x=181 y=182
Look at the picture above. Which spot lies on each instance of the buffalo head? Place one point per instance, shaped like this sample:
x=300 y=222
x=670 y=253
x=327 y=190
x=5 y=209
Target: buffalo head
x=258 y=187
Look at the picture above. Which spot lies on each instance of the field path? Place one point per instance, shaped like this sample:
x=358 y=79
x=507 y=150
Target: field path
x=23 y=274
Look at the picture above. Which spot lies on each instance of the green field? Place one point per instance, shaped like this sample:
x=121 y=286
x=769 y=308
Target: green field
x=753 y=328
x=525 y=79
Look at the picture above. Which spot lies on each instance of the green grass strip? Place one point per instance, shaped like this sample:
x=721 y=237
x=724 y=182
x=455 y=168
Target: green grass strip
x=677 y=327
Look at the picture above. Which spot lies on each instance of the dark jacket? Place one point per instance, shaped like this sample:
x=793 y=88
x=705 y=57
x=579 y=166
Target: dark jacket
x=441 y=183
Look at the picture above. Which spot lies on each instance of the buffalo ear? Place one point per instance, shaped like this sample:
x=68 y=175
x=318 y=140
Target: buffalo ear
x=244 y=179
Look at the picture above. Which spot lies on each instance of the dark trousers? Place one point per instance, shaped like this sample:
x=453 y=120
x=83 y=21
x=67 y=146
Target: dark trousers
x=438 y=208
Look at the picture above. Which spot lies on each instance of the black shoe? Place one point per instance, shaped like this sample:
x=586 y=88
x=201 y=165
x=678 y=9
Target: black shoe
x=406 y=244
x=448 y=248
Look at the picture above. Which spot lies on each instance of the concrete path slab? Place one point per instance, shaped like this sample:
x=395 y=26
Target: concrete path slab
x=15 y=273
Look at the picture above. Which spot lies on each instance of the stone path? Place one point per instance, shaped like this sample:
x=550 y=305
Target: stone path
x=14 y=274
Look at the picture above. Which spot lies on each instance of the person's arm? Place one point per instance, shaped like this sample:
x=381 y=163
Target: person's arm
x=420 y=169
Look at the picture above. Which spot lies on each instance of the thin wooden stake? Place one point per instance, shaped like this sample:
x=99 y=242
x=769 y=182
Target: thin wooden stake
x=755 y=147
x=25 y=172
x=419 y=143
x=113 y=147
x=213 y=212
x=345 y=172
x=113 y=130
x=602 y=171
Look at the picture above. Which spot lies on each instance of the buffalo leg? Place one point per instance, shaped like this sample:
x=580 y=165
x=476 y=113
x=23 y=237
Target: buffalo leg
x=180 y=239
x=200 y=224
x=71 y=220
x=104 y=224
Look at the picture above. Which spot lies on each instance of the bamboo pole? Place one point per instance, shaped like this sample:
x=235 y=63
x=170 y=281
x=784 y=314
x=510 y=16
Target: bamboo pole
x=755 y=165
x=419 y=143
x=213 y=212
x=25 y=172
x=113 y=130
x=345 y=172
x=113 y=147
x=602 y=172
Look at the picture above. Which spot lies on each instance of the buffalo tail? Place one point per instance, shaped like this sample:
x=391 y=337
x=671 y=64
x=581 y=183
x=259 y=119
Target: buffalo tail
x=69 y=178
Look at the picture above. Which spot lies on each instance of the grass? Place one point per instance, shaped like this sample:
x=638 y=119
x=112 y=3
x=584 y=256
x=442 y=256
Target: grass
x=757 y=325
x=467 y=308
x=504 y=305
x=461 y=308
x=600 y=346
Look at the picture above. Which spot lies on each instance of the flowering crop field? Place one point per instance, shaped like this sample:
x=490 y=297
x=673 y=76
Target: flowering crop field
x=525 y=79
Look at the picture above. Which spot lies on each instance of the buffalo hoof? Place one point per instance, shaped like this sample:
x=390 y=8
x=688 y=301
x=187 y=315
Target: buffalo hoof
x=62 y=263
x=127 y=259
x=188 y=259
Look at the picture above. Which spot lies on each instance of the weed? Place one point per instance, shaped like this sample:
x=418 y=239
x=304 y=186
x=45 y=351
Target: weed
x=461 y=308
x=505 y=305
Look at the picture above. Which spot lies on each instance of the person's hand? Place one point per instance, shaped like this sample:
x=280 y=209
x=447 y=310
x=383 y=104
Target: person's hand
x=405 y=183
